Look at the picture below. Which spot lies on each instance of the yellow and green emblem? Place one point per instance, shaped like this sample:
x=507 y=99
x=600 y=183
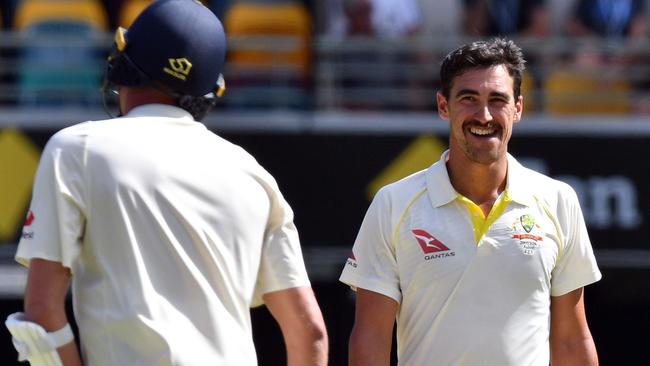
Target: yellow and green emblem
x=527 y=222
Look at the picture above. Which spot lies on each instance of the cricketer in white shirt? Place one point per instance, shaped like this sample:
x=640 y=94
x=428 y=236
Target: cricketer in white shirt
x=171 y=234
x=472 y=290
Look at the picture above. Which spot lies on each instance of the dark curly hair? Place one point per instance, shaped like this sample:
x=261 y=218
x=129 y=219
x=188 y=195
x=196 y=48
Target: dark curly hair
x=483 y=54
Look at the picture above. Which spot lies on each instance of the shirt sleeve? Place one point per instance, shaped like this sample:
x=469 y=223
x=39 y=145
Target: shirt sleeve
x=282 y=265
x=576 y=265
x=372 y=264
x=54 y=226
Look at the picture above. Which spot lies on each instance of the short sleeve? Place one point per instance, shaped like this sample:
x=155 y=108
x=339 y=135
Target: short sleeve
x=282 y=265
x=372 y=264
x=54 y=226
x=576 y=265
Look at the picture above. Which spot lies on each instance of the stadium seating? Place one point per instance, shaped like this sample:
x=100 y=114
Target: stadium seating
x=30 y=12
x=67 y=71
x=574 y=92
x=130 y=10
x=528 y=91
x=283 y=62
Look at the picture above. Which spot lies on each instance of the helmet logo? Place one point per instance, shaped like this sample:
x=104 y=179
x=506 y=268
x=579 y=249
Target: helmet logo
x=178 y=68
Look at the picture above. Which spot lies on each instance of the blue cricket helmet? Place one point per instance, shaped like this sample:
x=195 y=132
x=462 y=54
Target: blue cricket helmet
x=179 y=45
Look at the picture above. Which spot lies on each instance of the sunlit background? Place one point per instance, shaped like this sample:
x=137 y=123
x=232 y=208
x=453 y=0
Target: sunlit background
x=337 y=98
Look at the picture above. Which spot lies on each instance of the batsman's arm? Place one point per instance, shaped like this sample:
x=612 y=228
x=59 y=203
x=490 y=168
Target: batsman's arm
x=372 y=334
x=302 y=325
x=47 y=286
x=570 y=339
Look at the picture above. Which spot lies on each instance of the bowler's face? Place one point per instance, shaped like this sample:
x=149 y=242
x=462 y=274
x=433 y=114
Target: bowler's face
x=481 y=110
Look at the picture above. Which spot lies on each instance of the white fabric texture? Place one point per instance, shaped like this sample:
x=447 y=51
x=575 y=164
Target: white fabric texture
x=171 y=232
x=466 y=304
x=34 y=343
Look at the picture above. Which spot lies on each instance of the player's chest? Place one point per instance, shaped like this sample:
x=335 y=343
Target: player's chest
x=442 y=244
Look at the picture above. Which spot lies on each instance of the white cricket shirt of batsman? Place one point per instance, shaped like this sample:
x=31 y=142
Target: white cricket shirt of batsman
x=171 y=233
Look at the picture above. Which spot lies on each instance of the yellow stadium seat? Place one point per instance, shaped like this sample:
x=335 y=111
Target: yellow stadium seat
x=30 y=12
x=283 y=19
x=574 y=92
x=65 y=71
x=130 y=10
x=528 y=91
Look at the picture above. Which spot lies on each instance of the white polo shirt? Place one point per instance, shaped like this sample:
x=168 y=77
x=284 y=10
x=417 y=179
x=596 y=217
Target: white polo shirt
x=171 y=232
x=472 y=290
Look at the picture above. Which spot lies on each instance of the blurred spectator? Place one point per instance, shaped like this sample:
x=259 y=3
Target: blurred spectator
x=395 y=18
x=377 y=75
x=347 y=18
x=559 y=13
x=7 y=10
x=505 y=18
x=602 y=80
x=441 y=19
x=382 y=18
x=511 y=18
x=609 y=18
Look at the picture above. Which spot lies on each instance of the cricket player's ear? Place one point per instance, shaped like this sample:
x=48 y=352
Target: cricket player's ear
x=519 y=108
x=443 y=106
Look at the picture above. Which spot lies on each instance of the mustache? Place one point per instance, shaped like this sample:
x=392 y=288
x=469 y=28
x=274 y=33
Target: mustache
x=477 y=123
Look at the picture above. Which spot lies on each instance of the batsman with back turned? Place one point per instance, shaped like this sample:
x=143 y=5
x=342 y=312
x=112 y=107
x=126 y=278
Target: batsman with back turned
x=166 y=233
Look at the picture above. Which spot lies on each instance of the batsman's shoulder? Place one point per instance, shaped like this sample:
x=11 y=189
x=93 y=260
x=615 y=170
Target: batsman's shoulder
x=70 y=136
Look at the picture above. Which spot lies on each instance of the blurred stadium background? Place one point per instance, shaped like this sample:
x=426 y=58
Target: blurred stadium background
x=334 y=115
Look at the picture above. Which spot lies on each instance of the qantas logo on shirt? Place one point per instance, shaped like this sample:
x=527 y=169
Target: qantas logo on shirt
x=428 y=243
x=432 y=247
x=28 y=234
x=30 y=219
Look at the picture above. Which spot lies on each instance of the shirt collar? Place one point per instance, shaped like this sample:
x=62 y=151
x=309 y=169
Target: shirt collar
x=439 y=186
x=518 y=183
x=160 y=110
x=441 y=191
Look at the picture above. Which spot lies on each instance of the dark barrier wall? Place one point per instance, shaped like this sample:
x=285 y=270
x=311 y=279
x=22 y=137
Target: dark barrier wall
x=326 y=178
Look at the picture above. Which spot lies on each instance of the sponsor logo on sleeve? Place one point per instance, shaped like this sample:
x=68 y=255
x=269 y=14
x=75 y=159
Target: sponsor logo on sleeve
x=30 y=218
x=431 y=247
x=28 y=233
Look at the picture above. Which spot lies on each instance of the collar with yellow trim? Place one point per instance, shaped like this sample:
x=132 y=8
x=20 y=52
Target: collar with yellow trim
x=441 y=192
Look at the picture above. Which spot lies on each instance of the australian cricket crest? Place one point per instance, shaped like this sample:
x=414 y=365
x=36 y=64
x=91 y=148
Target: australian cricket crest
x=528 y=232
x=527 y=222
